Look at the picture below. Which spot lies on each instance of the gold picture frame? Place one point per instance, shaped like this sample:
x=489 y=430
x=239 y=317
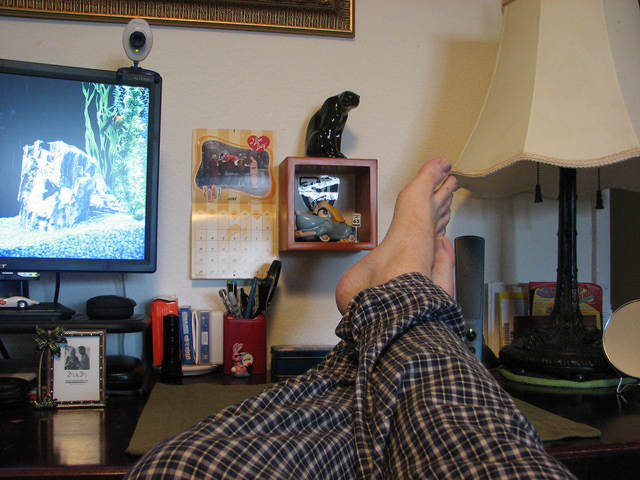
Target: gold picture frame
x=77 y=377
x=315 y=17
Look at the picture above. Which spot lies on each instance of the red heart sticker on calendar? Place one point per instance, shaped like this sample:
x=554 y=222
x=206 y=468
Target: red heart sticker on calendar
x=258 y=143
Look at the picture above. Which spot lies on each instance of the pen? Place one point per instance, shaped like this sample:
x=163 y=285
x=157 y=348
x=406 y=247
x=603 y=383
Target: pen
x=252 y=295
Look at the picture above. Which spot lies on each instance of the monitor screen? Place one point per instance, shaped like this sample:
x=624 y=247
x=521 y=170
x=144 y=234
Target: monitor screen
x=79 y=168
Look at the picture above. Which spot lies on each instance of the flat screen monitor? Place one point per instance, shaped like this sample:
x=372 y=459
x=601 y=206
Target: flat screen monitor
x=79 y=168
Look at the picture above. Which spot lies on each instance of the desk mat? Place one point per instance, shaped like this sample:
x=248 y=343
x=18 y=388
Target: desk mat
x=196 y=401
x=551 y=382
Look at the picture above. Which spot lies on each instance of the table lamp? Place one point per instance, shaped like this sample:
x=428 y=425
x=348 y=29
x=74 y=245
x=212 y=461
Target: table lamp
x=562 y=113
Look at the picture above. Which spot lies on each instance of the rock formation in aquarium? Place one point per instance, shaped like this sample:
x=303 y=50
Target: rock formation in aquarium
x=61 y=187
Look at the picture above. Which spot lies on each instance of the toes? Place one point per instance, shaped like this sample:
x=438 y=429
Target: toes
x=442 y=199
x=443 y=248
x=443 y=262
x=446 y=189
x=435 y=171
x=441 y=224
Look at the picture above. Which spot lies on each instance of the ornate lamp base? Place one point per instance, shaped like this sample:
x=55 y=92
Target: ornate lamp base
x=563 y=349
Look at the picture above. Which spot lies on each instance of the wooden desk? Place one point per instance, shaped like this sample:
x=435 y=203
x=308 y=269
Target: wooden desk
x=613 y=456
x=79 y=443
x=91 y=444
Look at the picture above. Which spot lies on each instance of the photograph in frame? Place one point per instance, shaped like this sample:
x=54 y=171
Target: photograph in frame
x=77 y=376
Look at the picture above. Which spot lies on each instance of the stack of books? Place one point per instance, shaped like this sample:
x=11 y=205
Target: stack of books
x=201 y=332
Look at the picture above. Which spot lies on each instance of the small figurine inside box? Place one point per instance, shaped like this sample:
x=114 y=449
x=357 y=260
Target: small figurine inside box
x=328 y=204
x=320 y=202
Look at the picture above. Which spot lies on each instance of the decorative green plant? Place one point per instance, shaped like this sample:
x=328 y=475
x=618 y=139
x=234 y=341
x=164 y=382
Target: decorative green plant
x=131 y=105
x=98 y=114
x=115 y=135
x=46 y=341
x=47 y=402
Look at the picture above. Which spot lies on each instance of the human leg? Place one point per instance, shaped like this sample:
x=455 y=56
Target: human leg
x=424 y=407
x=451 y=419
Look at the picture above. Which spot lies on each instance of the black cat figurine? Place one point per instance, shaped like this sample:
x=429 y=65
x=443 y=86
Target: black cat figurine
x=324 y=132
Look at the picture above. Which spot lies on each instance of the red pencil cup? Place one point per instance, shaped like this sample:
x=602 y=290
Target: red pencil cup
x=245 y=346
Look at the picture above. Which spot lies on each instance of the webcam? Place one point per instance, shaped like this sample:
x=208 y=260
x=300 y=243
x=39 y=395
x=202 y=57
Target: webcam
x=137 y=40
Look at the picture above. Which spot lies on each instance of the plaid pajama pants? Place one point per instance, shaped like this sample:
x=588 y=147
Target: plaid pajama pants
x=399 y=397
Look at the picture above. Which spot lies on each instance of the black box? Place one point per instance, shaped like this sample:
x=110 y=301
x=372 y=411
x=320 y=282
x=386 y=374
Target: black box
x=291 y=360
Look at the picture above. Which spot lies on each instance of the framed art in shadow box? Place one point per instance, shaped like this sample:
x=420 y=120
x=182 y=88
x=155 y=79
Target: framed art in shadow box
x=77 y=376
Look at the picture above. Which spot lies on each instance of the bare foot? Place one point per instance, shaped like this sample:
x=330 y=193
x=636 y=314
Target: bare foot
x=421 y=213
x=444 y=259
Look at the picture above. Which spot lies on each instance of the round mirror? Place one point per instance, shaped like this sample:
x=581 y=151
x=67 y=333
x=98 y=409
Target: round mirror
x=621 y=339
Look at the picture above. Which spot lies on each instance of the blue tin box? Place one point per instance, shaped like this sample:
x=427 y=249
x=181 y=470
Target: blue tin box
x=291 y=360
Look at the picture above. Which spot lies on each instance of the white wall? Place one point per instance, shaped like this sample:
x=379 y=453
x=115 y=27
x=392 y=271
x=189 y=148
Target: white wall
x=421 y=67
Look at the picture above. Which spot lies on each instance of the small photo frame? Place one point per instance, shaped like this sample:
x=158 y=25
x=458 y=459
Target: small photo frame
x=77 y=376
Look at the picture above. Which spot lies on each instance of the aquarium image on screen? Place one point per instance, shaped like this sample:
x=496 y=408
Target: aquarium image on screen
x=74 y=168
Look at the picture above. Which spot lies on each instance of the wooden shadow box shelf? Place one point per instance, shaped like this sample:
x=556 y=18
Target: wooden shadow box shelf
x=357 y=194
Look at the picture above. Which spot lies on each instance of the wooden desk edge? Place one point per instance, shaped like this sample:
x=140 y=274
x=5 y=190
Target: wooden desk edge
x=70 y=471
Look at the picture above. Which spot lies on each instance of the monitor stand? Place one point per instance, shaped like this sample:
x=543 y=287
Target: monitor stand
x=41 y=311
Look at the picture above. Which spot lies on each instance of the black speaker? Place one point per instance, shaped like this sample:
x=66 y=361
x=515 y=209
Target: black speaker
x=171 y=370
x=470 y=288
x=110 y=307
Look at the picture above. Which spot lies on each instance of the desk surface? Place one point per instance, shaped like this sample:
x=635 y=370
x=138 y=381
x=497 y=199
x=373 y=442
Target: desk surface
x=616 y=454
x=85 y=443
x=92 y=443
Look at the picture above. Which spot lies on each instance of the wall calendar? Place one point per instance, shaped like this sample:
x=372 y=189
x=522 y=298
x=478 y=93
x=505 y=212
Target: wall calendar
x=233 y=203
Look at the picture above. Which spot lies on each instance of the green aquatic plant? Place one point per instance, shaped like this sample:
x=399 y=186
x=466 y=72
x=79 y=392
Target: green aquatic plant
x=131 y=104
x=99 y=129
x=116 y=136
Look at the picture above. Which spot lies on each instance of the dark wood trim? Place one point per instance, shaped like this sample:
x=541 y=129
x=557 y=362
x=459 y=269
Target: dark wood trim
x=315 y=17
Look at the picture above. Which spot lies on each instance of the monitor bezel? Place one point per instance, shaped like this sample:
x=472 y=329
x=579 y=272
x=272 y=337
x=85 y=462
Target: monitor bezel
x=126 y=76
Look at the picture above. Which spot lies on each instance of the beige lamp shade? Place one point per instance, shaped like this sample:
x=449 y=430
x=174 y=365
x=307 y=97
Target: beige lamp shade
x=565 y=92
